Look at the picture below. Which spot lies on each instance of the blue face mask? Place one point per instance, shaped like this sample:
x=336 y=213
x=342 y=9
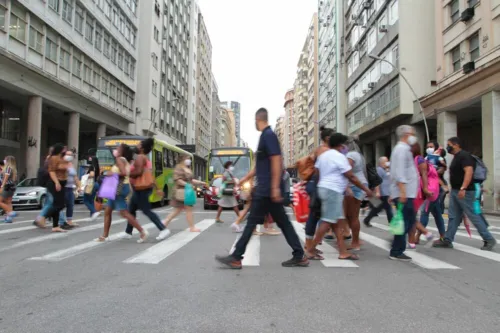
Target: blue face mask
x=344 y=150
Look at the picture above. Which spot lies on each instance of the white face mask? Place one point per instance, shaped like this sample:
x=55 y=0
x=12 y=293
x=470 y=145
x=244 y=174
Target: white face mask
x=412 y=139
x=68 y=158
x=429 y=151
x=387 y=164
x=187 y=162
x=231 y=168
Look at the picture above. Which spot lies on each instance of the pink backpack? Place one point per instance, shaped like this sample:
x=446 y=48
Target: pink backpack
x=432 y=183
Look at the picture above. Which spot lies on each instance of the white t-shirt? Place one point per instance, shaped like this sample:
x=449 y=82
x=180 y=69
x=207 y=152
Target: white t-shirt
x=332 y=165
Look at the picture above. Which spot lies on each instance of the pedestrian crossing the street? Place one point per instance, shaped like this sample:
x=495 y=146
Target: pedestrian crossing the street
x=74 y=244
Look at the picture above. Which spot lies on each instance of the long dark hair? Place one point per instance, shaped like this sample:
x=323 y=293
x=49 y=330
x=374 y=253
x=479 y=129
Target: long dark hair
x=325 y=133
x=127 y=152
x=94 y=163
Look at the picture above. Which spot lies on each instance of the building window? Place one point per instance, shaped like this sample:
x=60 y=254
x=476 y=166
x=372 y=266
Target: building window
x=3 y=12
x=154 y=87
x=132 y=38
x=98 y=37
x=79 y=19
x=455 y=58
x=64 y=59
x=472 y=3
x=107 y=8
x=155 y=61
x=87 y=73
x=77 y=65
x=156 y=34
x=67 y=12
x=51 y=49
x=113 y=51
x=393 y=12
x=126 y=66
x=105 y=48
x=474 y=47
x=115 y=18
x=454 y=11
x=54 y=5
x=132 y=69
x=97 y=80
x=18 y=23
x=36 y=35
x=372 y=40
x=105 y=83
x=89 y=30
x=120 y=59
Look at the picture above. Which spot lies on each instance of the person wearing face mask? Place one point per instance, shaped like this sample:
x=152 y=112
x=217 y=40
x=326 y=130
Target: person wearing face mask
x=229 y=200
x=404 y=186
x=182 y=176
x=462 y=197
x=435 y=156
x=72 y=183
x=382 y=192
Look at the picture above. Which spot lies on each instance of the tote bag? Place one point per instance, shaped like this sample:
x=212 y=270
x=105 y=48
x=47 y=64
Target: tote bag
x=109 y=187
x=189 y=195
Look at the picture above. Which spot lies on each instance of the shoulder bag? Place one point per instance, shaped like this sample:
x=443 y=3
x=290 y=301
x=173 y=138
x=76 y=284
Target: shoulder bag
x=145 y=181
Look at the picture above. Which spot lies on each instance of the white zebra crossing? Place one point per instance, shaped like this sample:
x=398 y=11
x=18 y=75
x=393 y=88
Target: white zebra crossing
x=252 y=251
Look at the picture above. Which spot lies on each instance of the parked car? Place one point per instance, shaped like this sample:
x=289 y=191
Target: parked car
x=210 y=199
x=199 y=191
x=29 y=194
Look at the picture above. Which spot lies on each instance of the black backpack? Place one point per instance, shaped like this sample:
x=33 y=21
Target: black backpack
x=43 y=176
x=372 y=176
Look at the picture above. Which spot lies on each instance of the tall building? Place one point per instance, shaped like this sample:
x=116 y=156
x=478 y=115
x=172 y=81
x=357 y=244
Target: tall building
x=306 y=95
x=192 y=73
x=289 y=142
x=203 y=90
x=68 y=74
x=215 y=139
x=466 y=99
x=330 y=62
x=376 y=101
x=279 y=129
x=164 y=62
x=228 y=130
x=236 y=107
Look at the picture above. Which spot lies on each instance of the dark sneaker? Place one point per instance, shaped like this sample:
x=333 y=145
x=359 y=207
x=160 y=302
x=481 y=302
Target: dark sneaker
x=489 y=245
x=401 y=257
x=443 y=243
x=328 y=237
x=229 y=261
x=66 y=226
x=367 y=223
x=296 y=262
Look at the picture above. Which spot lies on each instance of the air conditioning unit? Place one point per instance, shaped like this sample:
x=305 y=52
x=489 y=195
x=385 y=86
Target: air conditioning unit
x=354 y=17
x=469 y=67
x=325 y=24
x=467 y=15
x=382 y=28
x=356 y=99
x=371 y=85
x=367 y=4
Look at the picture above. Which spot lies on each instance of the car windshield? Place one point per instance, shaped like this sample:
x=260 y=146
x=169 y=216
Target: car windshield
x=241 y=165
x=30 y=182
x=217 y=182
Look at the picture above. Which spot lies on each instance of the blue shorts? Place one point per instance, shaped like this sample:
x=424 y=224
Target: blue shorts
x=120 y=202
x=358 y=193
x=332 y=205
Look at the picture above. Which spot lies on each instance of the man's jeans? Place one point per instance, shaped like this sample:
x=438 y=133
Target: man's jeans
x=260 y=208
x=409 y=217
x=385 y=206
x=434 y=209
x=457 y=209
x=140 y=200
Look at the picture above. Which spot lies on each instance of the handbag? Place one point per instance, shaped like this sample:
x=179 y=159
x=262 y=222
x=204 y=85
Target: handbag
x=89 y=186
x=227 y=188
x=109 y=187
x=144 y=181
x=189 y=195
x=179 y=194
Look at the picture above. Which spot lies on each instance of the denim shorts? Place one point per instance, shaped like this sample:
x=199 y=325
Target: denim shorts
x=357 y=192
x=332 y=205
x=120 y=202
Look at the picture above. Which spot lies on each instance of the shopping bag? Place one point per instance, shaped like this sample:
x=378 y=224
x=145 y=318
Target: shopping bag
x=109 y=187
x=189 y=195
x=397 y=225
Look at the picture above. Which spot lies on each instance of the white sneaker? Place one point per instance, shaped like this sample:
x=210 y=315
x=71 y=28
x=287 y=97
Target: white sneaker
x=95 y=216
x=127 y=236
x=142 y=240
x=236 y=228
x=163 y=234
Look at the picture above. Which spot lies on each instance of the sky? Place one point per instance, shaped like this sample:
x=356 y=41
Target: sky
x=256 y=45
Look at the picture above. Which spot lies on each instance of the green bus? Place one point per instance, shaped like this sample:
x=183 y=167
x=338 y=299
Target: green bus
x=241 y=157
x=163 y=157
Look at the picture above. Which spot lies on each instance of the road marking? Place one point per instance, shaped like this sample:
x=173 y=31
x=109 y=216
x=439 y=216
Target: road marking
x=252 y=251
x=417 y=258
x=8 y=231
x=84 y=247
x=156 y=253
x=330 y=254
x=33 y=219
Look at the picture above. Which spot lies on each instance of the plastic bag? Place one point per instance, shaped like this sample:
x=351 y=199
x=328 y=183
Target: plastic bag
x=397 y=225
x=189 y=195
x=108 y=187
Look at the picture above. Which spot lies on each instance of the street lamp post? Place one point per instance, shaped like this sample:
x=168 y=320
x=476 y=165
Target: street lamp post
x=409 y=86
x=156 y=112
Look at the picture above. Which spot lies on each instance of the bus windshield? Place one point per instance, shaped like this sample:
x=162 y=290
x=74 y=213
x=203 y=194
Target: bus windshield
x=241 y=165
x=105 y=156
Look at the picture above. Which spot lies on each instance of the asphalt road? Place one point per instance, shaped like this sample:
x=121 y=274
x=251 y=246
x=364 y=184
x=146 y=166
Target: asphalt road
x=68 y=283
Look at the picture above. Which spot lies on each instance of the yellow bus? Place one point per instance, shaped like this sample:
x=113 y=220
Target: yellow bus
x=242 y=159
x=163 y=157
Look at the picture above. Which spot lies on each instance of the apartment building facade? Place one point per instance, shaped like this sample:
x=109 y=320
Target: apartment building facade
x=289 y=143
x=236 y=108
x=68 y=74
x=279 y=129
x=215 y=138
x=192 y=77
x=203 y=90
x=377 y=98
x=466 y=100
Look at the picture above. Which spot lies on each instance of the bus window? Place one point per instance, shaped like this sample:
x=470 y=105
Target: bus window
x=158 y=163
x=171 y=161
x=165 y=158
x=105 y=156
x=176 y=157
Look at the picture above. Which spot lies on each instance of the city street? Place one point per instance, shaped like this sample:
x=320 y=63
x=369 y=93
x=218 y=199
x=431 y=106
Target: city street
x=69 y=283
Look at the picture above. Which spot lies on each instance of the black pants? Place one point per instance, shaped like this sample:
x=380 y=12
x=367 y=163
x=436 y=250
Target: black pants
x=375 y=210
x=58 y=203
x=260 y=208
x=140 y=200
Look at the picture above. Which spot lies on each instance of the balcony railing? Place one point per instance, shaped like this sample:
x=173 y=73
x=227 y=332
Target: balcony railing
x=371 y=116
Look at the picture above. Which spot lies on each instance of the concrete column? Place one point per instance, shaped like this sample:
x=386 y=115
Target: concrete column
x=379 y=150
x=74 y=133
x=101 y=131
x=368 y=153
x=33 y=136
x=490 y=113
x=446 y=128
x=422 y=136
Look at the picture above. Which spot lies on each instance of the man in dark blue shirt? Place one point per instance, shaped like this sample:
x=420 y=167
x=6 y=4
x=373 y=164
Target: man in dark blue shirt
x=266 y=198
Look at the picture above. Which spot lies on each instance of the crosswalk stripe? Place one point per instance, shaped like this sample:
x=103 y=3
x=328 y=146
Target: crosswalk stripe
x=31 y=221
x=84 y=247
x=155 y=254
x=419 y=259
x=329 y=252
x=252 y=251
x=8 y=231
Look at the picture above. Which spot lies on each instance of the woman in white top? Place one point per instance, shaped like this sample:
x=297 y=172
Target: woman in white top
x=355 y=194
x=335 y=172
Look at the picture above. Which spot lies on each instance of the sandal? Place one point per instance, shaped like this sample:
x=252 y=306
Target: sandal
x=101 y=239
x=351 y=256
x=316 y=256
